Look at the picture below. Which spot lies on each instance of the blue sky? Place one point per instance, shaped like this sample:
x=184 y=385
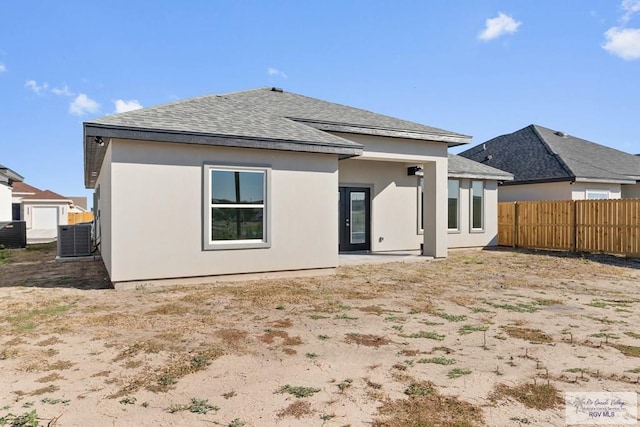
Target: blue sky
x=483 y=68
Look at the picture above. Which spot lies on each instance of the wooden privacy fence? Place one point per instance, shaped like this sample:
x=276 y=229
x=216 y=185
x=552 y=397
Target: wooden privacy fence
x=609 y=226
x=78 y=217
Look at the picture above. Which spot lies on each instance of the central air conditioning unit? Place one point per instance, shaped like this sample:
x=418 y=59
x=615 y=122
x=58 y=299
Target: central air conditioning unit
x=74 y=240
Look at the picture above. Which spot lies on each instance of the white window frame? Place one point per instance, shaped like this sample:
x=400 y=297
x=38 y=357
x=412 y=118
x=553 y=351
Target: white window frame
x=457 y=229
x=594 y=191
x=482 y=209
x=207 y=242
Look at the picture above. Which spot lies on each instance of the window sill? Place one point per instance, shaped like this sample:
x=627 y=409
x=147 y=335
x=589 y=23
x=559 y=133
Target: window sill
x=452 y=231
x=476 y=231
x=223 y=246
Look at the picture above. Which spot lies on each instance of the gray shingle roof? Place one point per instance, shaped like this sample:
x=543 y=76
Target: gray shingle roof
x=258 y=118
x=7 y=174
x=539 y=154
x=460 y=167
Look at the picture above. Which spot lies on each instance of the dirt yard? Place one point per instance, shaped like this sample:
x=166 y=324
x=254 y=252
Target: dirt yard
x=480 y=338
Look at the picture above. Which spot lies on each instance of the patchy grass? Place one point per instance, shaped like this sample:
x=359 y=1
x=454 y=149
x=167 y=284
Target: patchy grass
x=457 y=373
x=451 y=317
x=297 y=391
x=425 y=334
x=367 y=340
x=468 y=329
x=297 y=410
x=426 y=407
x=541 y=397
x=438 y=361
x=535 y=336
x=197 y=406
x=627 y=350
x=27 y=321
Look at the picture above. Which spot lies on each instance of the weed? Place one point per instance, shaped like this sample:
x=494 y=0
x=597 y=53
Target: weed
x=345 y=384
x=451 y=317
x=28 y=419
x=467 y=329
x=129 y=400
x=323 y=337
x=167 y=380
x=345 y=316
x=634 y=371
x=327 y=417
x=280 y=307
x=425 y=334
x=408 y=362
x=438 y=361
x=229 y=394
x=55 y=401
x=394 y=318
x=200 y=362
x=25 y=322
x=317 y=317
x=297 y=391
x=236 y=422
x=197 y=406
x=419 y=389
x=145 y=404
x=598 y=304
x=632 y=335
x=430 y=323
x=479 y=310
x=573 y=370
x=518 y=308
x=311 y=355
x=397 y=327
x=546 y=302
x=458 y=372
x=605 y=335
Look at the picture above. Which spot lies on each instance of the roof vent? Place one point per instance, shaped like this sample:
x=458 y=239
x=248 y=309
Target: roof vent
x=276 y=89
x=560 y=134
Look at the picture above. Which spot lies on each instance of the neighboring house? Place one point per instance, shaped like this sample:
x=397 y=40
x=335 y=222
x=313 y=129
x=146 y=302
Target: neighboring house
x=551 y=165
x=266 y=181
x=7 y=178
x=42 y=211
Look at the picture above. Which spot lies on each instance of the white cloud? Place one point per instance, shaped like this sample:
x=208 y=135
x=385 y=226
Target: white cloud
x=82 y=105
x=64 y=90
x=123 y=106
x=499 y=26
x=34 y=86
x=623 y=42
x=3 y=68
x=630 y=7
x=275 y=72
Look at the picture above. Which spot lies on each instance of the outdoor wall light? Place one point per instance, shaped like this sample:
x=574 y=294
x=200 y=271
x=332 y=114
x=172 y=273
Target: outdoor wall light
x=98 y=140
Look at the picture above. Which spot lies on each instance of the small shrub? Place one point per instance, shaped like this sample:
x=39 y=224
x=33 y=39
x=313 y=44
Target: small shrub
x=438 y=361
x=297 y=391
x=457 y=373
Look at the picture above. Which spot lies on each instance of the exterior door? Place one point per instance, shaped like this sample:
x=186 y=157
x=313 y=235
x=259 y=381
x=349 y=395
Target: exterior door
x=355 y=219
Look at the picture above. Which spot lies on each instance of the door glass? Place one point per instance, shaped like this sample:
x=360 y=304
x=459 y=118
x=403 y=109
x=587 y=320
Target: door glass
x=357 y=215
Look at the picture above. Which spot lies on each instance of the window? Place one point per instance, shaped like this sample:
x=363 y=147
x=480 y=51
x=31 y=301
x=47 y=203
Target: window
x=453 y=205
x=477 y=205
x=597 y=194
x=236 y=207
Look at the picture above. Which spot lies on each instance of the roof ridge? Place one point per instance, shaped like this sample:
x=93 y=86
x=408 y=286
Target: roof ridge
x=556 y=156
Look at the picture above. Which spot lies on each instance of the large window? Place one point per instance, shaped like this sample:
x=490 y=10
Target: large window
x=477 y=205
x=236 y=207
x=453 y=205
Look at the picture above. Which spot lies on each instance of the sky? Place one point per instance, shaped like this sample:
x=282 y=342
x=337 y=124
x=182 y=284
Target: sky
x=481 y=68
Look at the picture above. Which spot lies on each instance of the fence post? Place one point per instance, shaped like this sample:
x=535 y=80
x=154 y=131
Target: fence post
x=574 y=226
x=515 y=225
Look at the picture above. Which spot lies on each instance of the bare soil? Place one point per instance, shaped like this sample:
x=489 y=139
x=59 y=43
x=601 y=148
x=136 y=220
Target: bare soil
x=480 y=338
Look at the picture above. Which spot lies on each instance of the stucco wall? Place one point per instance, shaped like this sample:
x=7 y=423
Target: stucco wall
x=555 y=191
x=465 y=237
x=631 y=191
x=157 y=207
x=5 y=203
x=102 y=212
x=394 y=201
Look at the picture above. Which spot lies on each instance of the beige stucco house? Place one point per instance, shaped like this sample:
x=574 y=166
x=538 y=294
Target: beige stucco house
x=7 y=178
x=270 y=181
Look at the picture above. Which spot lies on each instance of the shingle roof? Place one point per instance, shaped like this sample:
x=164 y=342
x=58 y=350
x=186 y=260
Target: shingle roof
x=45 y=195
x=23 y=187
x=460 y=167
x=258 y=118
x=539 y=154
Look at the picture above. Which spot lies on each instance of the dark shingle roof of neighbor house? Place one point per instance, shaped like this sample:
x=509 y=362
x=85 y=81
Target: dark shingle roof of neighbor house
x=460 y=167
x=257 y=118
x=538 y=154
